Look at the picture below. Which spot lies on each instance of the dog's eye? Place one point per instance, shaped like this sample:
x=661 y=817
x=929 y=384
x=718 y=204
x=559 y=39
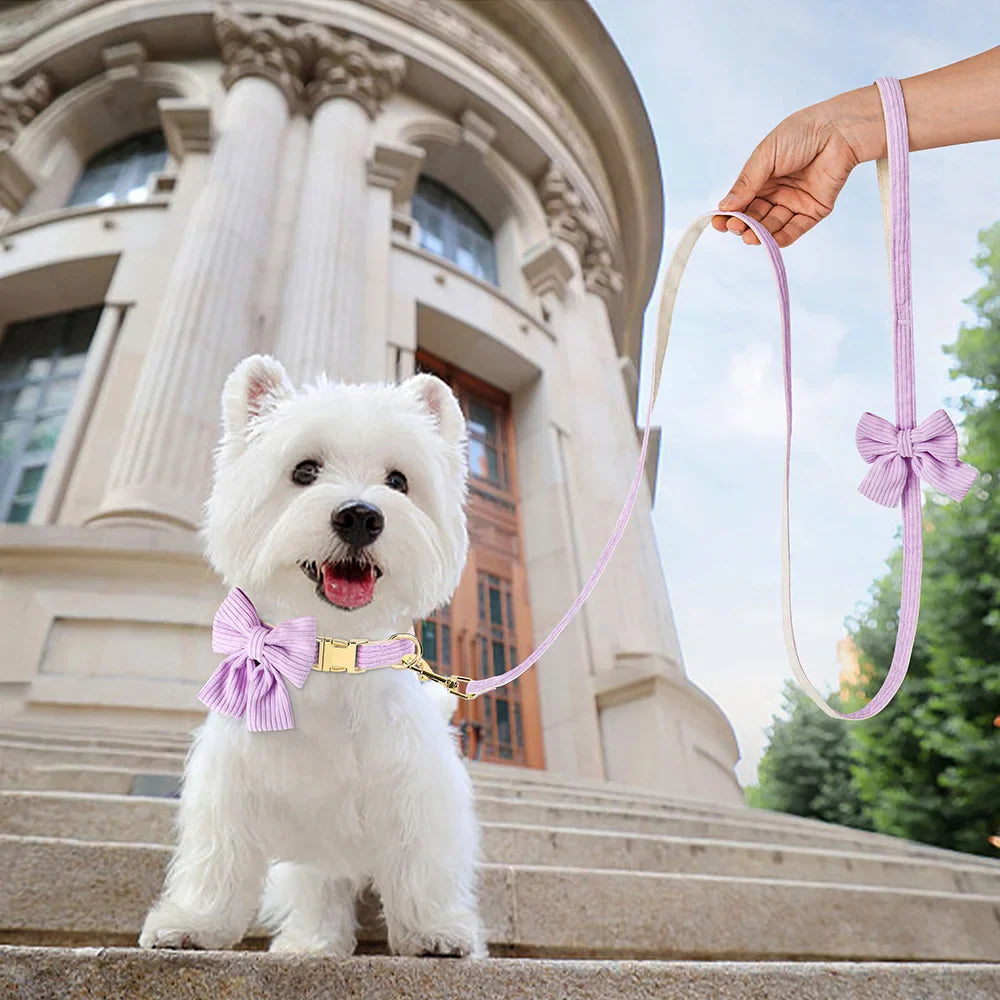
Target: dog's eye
x=305 y=473
x=395 y=480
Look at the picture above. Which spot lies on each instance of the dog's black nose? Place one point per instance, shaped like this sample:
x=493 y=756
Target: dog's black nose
x=358 y=524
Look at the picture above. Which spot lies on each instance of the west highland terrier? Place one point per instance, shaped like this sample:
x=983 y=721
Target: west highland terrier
x=344 y=502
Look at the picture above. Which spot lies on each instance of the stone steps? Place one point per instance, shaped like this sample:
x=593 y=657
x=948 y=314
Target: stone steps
x=576 y=869
x=102 y=891
x=86 y=816
x=97 y=740
x=133 y=819
x=59 y=768
x=562 y=804
x=26 y=752
x=117 y=974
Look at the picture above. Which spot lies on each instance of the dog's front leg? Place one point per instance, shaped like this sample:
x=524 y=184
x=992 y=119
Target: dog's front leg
x=310 y=909
x=214 y=881
x=427 y=877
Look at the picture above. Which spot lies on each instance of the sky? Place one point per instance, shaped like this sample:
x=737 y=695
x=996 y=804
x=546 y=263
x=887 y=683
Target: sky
x=716 y=76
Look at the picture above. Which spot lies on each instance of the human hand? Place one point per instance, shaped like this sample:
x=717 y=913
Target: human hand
x=793 y=177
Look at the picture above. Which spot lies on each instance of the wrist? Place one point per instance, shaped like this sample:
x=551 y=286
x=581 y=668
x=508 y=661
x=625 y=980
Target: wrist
x=857 y=117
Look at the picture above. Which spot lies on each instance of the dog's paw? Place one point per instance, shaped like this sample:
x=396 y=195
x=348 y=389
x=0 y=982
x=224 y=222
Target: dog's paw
x=291 y=942
x=167 y=926
x=464 y=940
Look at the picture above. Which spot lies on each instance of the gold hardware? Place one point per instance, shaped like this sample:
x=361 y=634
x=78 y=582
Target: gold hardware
x=408 y=658
x=341 y=656
x=338 y=655
x=415 y=661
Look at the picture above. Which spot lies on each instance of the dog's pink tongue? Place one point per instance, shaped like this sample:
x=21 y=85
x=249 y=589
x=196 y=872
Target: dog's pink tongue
x=352 y=591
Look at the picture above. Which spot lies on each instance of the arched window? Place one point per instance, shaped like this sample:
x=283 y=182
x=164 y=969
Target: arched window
x=120 y=173
x=454 y=230
x=40 y=365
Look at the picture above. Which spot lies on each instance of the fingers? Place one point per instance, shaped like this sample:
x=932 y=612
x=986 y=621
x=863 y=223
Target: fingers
x=751 y=178
x=797 y=226
x=780 y=221
x=773 y=220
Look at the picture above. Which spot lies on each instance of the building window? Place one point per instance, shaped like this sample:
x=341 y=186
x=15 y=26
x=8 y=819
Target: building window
x=487 y=450
x=40 y=365
x=503 y=734
x=121 y=172
x=452 y=229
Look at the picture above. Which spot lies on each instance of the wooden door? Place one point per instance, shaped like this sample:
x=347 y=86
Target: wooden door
x=486 y=627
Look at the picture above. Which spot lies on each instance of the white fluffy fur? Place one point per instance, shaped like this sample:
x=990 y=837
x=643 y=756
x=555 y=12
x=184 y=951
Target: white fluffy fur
x=368 y=786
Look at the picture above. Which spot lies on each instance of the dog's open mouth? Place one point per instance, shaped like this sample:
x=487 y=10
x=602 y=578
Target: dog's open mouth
x=346 y=584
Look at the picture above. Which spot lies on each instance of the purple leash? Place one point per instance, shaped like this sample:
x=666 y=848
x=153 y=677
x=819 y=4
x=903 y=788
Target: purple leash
x=250 y=682
x=900 y=454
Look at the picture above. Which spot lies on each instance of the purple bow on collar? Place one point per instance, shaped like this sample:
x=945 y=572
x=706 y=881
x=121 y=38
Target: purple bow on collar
x=248 y=682
x=931 y=448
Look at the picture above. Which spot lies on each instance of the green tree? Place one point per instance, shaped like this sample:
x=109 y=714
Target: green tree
x=806 y=768
x=928 y=767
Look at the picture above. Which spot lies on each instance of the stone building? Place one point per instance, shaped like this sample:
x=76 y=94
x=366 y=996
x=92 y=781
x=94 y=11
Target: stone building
x=367 y=188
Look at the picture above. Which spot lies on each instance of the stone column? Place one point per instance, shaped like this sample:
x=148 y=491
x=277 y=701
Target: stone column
x=393 y=169
x=323 y=317
x=632 y=592
x=207 y=320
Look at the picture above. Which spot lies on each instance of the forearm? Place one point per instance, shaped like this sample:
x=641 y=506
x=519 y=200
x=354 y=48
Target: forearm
x=955 y=104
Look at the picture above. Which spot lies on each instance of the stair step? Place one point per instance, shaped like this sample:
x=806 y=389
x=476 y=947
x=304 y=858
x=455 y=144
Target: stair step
x=27 y=752
x=59 y=745
x=93 y=893
x=96 y=741
x=114 y=817
x=770 y=829
x=117 y=772
x=123 y=974
x=133 y=819
x=527 y=786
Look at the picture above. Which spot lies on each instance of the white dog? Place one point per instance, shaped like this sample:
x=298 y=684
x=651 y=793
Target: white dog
x=344 y=502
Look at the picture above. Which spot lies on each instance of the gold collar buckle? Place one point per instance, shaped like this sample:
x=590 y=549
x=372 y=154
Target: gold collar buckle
x=336 y=656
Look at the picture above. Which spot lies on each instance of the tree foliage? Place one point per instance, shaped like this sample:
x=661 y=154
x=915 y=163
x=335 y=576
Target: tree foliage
x=806 y=768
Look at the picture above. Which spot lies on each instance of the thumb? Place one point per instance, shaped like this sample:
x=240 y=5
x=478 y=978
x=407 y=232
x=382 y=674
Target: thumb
x=750 y=180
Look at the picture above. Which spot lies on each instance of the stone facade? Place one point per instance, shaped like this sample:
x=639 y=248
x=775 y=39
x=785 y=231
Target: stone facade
x=281 y=222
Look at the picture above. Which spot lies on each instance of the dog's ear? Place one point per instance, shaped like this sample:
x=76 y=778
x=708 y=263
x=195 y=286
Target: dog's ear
x=440 y=402
x=257 y=384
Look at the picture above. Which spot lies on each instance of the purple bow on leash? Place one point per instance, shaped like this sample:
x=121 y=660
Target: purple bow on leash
x=250 y=681
x=930 y=449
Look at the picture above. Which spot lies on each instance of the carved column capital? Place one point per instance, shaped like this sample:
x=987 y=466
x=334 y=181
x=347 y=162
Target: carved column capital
x=260 y=45
x=563 y=208
x=19 y=104
x=599 y=273
x=571 y=220
x=348 y=66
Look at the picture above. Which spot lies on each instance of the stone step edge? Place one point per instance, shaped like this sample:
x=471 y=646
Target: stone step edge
x=899 y=847
x=706 y=845
x=965 y=897
x=638 y=799
x=114 y=973
x=902 y=849
x=610 y=792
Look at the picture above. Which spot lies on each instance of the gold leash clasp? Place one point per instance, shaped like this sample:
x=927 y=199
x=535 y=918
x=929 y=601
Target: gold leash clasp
x=416 y=662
